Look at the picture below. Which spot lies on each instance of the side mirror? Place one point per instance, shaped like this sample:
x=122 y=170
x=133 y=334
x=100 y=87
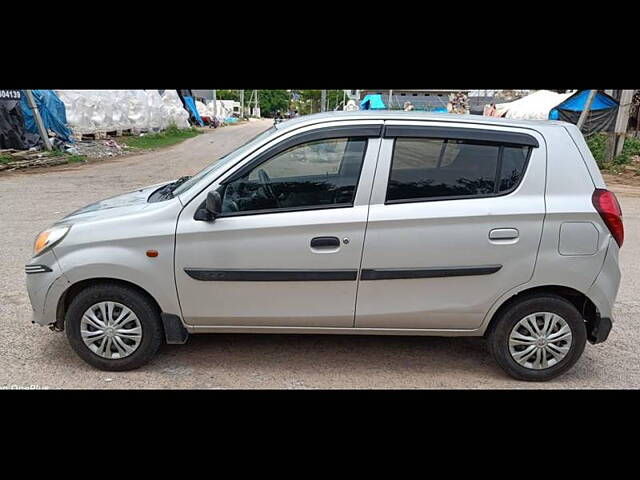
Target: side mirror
x=212 y=208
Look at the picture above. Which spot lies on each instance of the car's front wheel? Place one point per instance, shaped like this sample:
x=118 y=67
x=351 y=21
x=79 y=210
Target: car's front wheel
x=113 y=327
x=538 y=338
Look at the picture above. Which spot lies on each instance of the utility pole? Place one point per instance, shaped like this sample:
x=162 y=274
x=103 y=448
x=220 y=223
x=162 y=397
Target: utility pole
x=38 y=119
x=615 y=139
x=249 y=102
x=257 y=105
x=323 y=101
x=587 y=108
x=215 y=104
x=626 y=97
x=390 y=97
x=241 y=104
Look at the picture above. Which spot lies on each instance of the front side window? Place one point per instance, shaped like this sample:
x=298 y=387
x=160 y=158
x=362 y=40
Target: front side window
x=322 y=173
x=425 y=168
x=228 y=159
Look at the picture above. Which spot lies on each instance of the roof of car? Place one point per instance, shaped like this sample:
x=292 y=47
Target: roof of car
x=413 y=115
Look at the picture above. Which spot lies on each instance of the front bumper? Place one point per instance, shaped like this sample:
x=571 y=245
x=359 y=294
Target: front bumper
x=45 y=285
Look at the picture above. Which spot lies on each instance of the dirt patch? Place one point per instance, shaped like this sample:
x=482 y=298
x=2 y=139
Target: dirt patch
x=629 y=176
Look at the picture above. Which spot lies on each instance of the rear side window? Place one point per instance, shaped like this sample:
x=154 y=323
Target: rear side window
x=424 y=168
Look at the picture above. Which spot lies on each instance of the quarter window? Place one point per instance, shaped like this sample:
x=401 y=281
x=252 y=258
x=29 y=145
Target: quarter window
x=318 y=174
x=444 y=168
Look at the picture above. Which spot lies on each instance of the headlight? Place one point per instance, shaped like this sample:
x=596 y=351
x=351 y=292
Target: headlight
x=49 y=238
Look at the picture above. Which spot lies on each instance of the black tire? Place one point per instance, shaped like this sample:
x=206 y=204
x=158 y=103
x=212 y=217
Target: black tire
x=510 y=316
x=143 y=308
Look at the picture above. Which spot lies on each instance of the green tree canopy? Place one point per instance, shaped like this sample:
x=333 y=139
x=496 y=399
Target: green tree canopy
x=273 y=100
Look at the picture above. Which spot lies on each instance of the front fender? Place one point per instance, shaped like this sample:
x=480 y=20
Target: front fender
x=130 y=264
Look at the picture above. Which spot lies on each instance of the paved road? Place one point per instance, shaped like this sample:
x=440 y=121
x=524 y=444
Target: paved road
x=32 y=355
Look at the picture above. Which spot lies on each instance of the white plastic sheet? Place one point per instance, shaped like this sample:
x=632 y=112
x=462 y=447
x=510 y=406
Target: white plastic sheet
x=535 y=106
x=224 y=109
x=93 y=111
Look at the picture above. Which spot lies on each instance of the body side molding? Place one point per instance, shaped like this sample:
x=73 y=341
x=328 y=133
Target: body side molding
x=207 y=275
x=397 y=274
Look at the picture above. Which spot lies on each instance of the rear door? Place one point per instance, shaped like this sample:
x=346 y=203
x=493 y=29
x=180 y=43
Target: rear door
x=455 y=221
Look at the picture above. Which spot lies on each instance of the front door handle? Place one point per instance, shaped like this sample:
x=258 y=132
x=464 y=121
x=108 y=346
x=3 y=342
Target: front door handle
x=504 y=234
x=325 y=242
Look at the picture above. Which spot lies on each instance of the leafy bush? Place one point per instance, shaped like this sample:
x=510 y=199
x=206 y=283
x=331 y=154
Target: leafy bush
x=598 y=145
x=631 y=149
x=169 y=136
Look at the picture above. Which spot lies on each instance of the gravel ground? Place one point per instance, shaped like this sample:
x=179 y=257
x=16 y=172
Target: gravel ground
x=32 y=356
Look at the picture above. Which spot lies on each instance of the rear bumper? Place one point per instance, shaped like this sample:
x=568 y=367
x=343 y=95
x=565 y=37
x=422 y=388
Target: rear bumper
x=598 y=330
x=604 y=289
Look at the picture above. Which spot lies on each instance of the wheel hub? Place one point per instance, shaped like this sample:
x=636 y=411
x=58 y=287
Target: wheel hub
x=540 y=340
x=111 y=330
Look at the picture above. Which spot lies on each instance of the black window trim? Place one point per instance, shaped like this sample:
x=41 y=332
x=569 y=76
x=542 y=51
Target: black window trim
x=346 y=131
x=497 y=137
x=460 y=197
x=285 y=210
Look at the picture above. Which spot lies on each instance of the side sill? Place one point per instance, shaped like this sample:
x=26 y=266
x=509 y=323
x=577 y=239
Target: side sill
x=336 y=331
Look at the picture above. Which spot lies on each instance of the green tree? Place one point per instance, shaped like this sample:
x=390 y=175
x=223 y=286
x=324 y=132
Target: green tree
x=273 y=100
x=270 y=100
x=228 y=95
x=311 y=99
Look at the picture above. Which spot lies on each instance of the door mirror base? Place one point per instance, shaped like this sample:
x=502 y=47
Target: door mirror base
x=211 y=209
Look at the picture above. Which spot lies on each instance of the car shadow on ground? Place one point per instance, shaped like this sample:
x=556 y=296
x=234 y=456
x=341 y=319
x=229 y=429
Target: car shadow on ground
x=278 y=361
x=350 y=358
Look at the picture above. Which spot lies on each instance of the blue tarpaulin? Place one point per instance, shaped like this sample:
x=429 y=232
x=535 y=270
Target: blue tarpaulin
x=191 y=105
x=52 y=111
x=602 y=114
x=577 y=102
x=372 y=102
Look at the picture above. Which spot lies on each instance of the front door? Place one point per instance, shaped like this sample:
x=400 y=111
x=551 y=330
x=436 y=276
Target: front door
x=455 y=222
x=286 y=250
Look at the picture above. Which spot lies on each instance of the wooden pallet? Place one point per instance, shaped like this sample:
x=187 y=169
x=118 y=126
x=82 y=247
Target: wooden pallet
x=94 y=136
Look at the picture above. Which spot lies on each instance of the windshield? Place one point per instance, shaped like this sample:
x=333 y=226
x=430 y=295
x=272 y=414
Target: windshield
x=223 y=161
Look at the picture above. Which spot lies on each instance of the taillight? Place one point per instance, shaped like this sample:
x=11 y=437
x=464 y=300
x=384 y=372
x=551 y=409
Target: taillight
x=609 y=209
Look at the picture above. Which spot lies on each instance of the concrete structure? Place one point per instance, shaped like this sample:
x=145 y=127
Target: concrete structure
x=421 y=99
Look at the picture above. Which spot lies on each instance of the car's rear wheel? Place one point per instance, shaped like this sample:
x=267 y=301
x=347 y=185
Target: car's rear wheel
x=538 y=338
x=113 y=327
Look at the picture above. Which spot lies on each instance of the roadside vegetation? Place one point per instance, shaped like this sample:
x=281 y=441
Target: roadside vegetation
x=170 y=136
x=9 y=162
x=629 y=159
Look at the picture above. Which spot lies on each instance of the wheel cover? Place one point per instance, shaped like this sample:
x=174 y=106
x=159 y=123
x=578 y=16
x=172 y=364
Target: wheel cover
x=540 y=340
x=111 y=330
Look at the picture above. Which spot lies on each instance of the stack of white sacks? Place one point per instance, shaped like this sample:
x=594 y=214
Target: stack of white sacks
x=94 y=111
x=224 y=109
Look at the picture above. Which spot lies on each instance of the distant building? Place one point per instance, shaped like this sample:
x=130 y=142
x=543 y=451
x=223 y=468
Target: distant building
x=420 y=99
x=203 y=95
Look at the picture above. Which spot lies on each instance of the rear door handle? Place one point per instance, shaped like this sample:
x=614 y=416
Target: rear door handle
x=325 y=242
x=504 y=234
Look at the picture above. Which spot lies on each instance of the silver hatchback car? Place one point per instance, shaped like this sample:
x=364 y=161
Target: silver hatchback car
x=369 y=223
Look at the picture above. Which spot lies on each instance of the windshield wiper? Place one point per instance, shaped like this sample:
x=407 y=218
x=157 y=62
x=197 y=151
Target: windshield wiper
x=167 y=191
